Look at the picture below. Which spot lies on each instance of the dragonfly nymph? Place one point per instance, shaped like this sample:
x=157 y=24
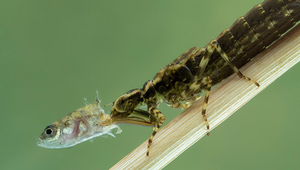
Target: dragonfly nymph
x=184 y=80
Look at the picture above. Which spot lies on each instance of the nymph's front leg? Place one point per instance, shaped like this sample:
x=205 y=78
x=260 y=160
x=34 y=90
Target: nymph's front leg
x=160 y=118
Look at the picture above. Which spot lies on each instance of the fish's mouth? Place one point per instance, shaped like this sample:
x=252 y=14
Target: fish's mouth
x=39 y=142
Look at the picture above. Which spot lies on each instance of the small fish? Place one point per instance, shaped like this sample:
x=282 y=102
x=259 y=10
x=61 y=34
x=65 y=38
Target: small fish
x=77 y=127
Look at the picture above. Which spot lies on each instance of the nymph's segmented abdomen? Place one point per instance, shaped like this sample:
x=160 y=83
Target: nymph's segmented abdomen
x=251 y=34
x=260 y=27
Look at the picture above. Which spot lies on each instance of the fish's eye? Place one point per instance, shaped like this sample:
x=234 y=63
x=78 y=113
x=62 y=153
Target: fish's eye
x=50 y=131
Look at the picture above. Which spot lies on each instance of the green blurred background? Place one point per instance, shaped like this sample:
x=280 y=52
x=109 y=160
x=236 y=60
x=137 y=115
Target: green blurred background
x=56 y=52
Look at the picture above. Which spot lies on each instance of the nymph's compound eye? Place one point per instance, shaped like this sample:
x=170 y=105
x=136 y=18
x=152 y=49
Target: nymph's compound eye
x=128 y=101
x=119 y=104
x=50 y=131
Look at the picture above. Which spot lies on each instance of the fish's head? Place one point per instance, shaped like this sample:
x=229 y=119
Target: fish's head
x=67 y=134
x=51 y=138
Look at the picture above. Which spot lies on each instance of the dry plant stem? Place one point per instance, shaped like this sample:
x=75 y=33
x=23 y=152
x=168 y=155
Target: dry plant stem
x=225 y=99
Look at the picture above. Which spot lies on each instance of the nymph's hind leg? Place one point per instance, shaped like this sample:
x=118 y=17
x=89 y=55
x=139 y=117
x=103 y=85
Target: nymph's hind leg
x=216 y=46
x=160 y=118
